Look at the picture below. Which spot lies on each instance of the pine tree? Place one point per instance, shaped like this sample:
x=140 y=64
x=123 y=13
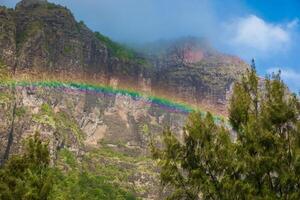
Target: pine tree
x=262 y=162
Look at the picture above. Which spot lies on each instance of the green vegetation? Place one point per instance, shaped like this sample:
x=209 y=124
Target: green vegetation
x=68 y=49
x=262 y=160
x=128 y=56
x=30 y=176
x=60 y=121
x=51 y=6
x=27 y=176
x=81 y=23
x=5 y=98
x=73 y=181
x=5 y=75
x=116 y=49
x=30 y=30
x=119 y=168
x=87 y=186
x=20 y=112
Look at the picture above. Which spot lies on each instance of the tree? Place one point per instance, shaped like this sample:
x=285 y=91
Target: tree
x=262 y=161
x=27 y=176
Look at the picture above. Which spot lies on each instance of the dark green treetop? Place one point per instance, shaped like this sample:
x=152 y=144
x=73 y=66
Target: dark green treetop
x=258 y=159
x=27 y=176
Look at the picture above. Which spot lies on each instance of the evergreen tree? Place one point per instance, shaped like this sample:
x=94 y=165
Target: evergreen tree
x=27 y=176
x=261 y=162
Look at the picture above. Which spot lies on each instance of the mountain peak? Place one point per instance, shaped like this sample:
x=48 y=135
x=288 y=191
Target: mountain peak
x=27 y=3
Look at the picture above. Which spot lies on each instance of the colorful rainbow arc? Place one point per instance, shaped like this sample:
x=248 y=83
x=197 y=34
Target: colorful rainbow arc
x=71 y=87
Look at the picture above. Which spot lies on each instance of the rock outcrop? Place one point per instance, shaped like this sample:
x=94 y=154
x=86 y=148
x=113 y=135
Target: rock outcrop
x=30 y=3
x=7 y=36
x=40 y=36
x=84 y=123
x=194 y=71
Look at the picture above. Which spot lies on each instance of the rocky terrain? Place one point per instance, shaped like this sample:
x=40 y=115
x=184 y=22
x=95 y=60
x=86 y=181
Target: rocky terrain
x=39 y=36
x=106 y=134
x=109 y=134
x=190 y=68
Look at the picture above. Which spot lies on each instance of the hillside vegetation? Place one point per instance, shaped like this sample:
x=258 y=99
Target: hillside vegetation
x=258 y=159
x=62 y=136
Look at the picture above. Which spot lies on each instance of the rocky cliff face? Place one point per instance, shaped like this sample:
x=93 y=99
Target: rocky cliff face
x=39 y=36
x=49 y=38
x=194 y=71
x=102 y=132
x=88 y=126
x=7 y=36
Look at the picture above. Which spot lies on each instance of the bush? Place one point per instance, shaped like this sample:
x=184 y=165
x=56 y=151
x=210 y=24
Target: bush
x=27 y=176
x=115 y=48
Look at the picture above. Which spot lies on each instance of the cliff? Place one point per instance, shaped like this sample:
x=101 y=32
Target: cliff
x=39 y=36
x=107 y=134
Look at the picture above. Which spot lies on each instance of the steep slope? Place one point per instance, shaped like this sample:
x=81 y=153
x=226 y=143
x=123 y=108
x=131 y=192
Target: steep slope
x=7 y=36
x=193 y=70
x=42 y=37
x=106 y=134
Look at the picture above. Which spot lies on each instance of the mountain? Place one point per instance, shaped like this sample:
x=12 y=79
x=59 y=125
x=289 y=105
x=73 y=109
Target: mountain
x=39 y=36
x=42 y=37
x=193 y=70
x=107 y=135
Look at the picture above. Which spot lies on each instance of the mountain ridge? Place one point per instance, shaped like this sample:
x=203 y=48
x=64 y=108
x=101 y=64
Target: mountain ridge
x=106 y=135
x=46 y=37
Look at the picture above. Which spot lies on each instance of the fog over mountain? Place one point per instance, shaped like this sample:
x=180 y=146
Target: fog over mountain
x=149 y=99
x=244 y=28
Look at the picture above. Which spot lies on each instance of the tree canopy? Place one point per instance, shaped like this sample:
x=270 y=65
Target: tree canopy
x=27 y=176
x=257 y=158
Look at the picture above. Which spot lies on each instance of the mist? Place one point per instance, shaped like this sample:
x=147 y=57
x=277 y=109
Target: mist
x=237 y=27
x=145 y=20
x=148 y=20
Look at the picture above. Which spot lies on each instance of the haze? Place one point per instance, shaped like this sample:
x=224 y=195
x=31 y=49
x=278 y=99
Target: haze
x=268 y=32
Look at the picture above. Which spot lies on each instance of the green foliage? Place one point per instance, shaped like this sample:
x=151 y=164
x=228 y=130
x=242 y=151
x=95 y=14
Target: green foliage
x=5 y=75
x=51 y=6
x=76 y=182
x=68 y=158
x=196 y=166
x=81 y=23
x=30 y=30
x=261 y=162
x=27 y=176
x=87 y=186
x=30 y=176
x=20 y=111
x=60 y=121
x=116 y=49
x=46 y=108
x=145 y=130
x=68 y=49
x=5 y=98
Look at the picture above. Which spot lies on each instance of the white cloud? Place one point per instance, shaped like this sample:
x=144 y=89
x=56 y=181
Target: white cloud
x=290 y=76
x=253 y=35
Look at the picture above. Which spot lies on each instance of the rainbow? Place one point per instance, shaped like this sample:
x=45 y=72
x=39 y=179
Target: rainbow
x=83 y=88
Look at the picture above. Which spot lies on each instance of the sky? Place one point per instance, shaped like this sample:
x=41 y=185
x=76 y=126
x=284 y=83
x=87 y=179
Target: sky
x=266 y=30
